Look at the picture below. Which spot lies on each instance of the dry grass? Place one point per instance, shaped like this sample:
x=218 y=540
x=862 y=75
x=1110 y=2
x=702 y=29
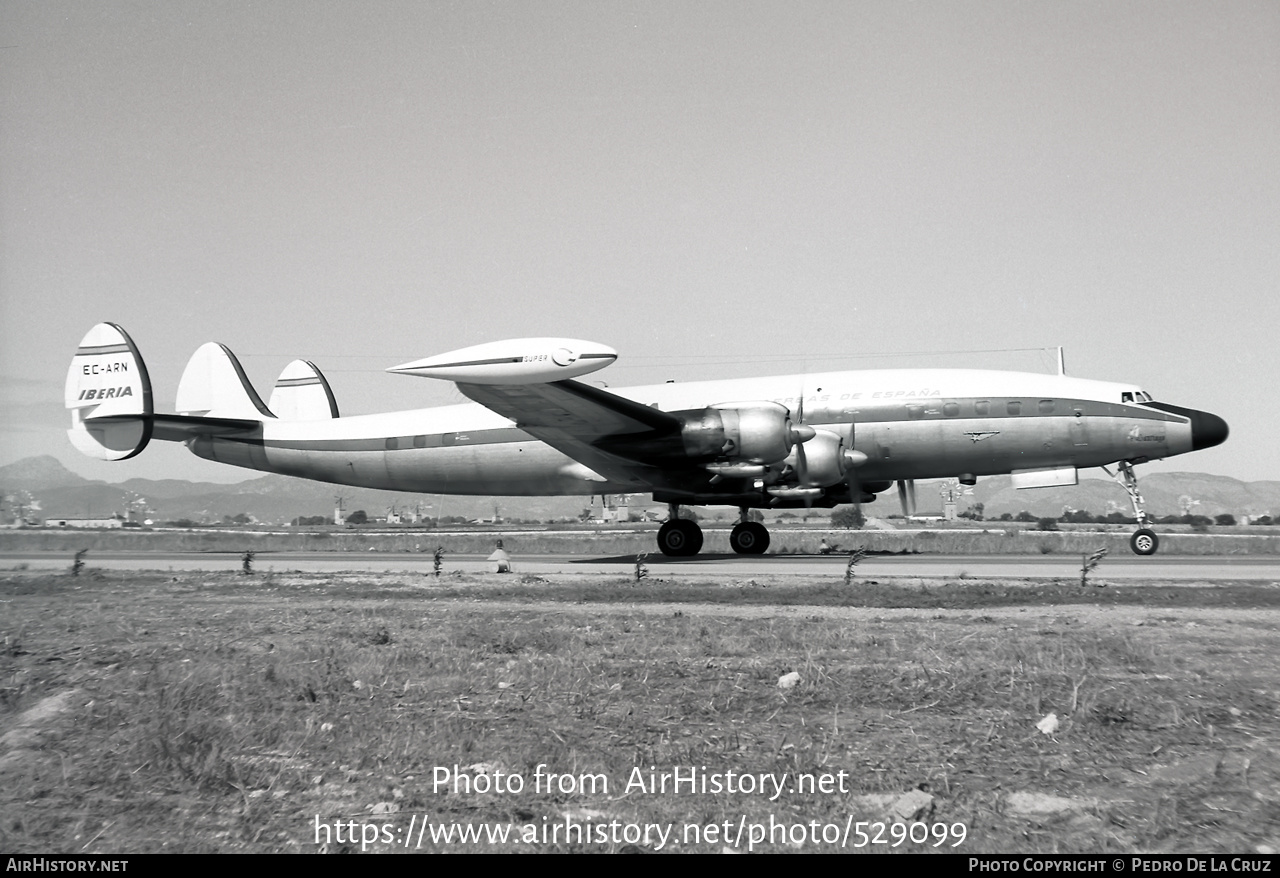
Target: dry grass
x=219 y=712
x=997 y=538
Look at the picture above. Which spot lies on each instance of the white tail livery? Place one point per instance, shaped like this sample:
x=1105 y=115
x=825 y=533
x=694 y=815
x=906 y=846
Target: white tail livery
x=214 y=385
x=778 y=442
x=302 y=394
x=109 y=395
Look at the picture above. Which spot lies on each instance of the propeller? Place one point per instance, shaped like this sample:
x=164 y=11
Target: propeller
x=851 y=476
x=805 y=488
x=852 y=459
x=802 y=460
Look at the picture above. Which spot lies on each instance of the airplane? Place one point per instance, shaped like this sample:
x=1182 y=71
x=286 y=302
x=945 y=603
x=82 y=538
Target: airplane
x=781 y=442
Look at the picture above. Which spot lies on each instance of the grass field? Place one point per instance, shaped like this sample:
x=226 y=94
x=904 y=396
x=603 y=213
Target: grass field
x=220 y=712
x=995 y=538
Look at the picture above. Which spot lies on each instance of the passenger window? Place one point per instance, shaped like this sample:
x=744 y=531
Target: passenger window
x=1046 y=406
x=951 y=409
x=915 y=411
x=1014 y=407
x=419 y=441
x=982 y=407
x=393 y=443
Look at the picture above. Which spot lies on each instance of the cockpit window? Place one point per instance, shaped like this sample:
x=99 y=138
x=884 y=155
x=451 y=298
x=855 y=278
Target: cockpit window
x=1126 y=396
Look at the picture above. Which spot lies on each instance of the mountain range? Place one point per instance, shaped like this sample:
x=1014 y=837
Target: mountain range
x=278 y=499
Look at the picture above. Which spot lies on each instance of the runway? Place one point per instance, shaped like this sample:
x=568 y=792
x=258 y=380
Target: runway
x=1177 y=568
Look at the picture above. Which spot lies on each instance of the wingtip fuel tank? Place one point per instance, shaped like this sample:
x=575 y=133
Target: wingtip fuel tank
x=514 y=361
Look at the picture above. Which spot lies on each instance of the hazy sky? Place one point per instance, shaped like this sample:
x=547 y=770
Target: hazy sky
x=713 y=189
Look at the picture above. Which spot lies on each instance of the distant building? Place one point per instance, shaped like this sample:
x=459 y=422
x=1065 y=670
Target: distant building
x=112 y=522
x=612 y=510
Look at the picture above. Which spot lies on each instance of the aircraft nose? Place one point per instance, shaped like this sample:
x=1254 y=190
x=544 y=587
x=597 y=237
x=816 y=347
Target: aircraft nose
x=1207 y=430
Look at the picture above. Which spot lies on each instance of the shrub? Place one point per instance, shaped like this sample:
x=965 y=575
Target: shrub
x=849 y=518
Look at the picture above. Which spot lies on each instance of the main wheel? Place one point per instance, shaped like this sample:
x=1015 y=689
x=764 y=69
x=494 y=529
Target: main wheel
x=1144 y=542
x=749 y=538
x=680 y=538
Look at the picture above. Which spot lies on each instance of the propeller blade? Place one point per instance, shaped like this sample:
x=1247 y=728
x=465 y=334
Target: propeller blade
x=907 y=496
x=802 y=473
x=802 y=433
x=854 y=459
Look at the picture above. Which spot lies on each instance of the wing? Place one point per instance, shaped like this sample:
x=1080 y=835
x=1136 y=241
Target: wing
x=576 y=418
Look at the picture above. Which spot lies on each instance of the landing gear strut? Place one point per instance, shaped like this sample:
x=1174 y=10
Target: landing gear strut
x=748 y=537
x=1144 y=540
x=679 y=537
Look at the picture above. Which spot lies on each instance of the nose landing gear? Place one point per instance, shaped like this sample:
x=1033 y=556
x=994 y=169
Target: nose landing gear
x=1144 y=540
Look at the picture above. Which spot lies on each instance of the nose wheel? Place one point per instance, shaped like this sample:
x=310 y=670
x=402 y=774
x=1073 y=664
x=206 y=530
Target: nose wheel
x=1144 y=540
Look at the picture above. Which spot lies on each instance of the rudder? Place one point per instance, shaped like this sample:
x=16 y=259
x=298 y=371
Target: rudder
x=108 y=393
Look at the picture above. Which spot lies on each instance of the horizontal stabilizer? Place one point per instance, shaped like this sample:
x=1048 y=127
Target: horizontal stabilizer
x=302 y=394
x=108 y=393
x=214 y=385
x=180 y=428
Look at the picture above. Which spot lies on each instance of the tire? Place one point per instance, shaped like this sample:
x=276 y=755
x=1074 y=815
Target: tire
x=680 y=538
x=749 y=538
x=1144 y=542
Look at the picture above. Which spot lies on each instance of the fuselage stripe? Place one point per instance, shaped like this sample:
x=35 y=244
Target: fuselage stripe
x=933 y=413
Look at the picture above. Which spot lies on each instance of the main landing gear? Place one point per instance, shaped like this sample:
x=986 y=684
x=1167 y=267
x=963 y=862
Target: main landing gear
x=682 y=538
x=679 y=537
x=748 y=537
x=1144 y=540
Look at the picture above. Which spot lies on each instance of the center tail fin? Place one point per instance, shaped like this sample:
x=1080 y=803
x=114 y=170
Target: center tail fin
x=214 y=386
x=302 y=394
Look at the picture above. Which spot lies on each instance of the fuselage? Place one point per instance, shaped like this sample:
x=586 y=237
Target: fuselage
x=910 y=424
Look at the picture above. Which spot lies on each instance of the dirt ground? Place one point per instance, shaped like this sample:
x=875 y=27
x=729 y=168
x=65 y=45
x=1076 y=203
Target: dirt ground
x=383 y=712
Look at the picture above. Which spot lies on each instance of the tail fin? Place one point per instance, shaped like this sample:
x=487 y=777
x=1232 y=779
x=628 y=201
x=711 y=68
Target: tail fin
x=214 y=385
x=108 y=393
x=302 y=394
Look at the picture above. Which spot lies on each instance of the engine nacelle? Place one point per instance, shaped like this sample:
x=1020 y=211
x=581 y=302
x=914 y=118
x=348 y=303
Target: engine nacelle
x=744 y=432
x=825 y=460
x=730 y=439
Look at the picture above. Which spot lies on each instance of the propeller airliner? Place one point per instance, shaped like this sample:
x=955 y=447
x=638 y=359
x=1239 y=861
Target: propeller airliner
x=808 y=440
